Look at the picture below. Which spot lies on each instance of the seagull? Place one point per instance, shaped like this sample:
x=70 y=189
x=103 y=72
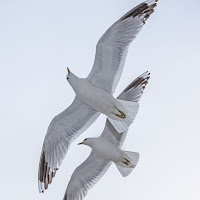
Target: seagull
x=105 y=150
x=104 y=102
x=94 y=93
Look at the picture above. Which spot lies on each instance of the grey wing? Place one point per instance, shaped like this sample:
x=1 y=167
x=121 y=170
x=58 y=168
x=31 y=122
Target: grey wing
x=85 y=176
x=132 y=92
x=111 y=50
x=63 y=129
x=94 y=167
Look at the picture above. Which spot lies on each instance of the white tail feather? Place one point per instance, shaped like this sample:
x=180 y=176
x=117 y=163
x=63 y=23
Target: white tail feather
x=131 y=109
x=125 y=171
x=119 y=126
x=133 y=157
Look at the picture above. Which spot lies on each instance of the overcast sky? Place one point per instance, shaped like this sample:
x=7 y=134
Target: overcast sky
x=39 y=39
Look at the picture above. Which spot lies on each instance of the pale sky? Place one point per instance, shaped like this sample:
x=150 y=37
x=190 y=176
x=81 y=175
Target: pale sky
x=39 y=39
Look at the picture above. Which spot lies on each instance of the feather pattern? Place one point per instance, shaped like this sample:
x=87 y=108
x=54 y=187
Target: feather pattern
x=111 y=49
x=94 y=167
x=63 y=130
x=85 y=176
x=109 y=61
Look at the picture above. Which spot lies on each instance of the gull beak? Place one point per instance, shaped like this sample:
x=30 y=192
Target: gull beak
x=68 y=70
x=80 y=143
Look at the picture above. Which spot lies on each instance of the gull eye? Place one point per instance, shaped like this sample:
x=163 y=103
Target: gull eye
x=85 y=139
x=67 y=78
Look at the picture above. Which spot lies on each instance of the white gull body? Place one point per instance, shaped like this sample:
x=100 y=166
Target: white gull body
x=107 y=150
x=111 y=51
x=104 y=148
x=102 y=101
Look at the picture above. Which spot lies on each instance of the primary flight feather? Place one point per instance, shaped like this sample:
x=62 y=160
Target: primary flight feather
x=94 y=93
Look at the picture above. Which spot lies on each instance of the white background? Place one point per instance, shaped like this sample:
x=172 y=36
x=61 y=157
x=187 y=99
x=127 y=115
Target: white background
x=39 y=39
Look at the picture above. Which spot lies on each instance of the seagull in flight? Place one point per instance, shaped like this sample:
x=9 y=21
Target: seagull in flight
x=105 y=150
x=94 y=93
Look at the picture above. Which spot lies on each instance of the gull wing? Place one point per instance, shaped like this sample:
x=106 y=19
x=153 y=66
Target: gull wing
x=111 y=49
x=85 y=176
x=132 y=92
x=94 y=167
x=63 y=129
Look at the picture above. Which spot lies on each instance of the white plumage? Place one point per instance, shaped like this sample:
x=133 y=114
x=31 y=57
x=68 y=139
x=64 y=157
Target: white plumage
x=104 y=102
x=110 y=57
x=106 y=149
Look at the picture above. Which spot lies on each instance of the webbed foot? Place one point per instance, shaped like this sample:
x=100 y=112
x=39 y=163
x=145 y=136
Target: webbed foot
x=126 y=161
x=121 y=115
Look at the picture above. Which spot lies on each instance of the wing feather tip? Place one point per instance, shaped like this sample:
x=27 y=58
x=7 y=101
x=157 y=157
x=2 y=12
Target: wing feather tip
x=143 y=10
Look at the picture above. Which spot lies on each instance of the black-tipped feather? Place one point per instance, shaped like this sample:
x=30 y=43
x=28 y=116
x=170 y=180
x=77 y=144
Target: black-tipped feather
x=135 y=89
x=140 y=10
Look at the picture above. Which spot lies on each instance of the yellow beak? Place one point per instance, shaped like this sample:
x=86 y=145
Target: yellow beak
x=68 y=70
x=80 y=143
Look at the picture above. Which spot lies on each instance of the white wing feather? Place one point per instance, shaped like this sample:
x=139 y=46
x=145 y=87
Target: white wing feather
x=63 y=129
x=111 y=50
x=85 y=176
x=110 y=57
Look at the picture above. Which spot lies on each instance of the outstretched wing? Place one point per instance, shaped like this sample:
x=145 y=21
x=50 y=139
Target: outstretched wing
x=85 y=176
x=63 y=129
x=111 y=50
x=94 y=167
x=132 y=92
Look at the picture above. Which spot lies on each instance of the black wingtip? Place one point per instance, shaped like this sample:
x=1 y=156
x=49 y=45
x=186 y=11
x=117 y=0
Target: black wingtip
x=144 y=9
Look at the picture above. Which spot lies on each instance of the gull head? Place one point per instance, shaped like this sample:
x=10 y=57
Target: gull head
x=87 y=141
x=71 y=78
x=69 y=74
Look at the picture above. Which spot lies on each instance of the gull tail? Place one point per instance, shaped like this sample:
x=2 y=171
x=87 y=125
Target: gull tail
x=128 y=162
x=126 y=119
